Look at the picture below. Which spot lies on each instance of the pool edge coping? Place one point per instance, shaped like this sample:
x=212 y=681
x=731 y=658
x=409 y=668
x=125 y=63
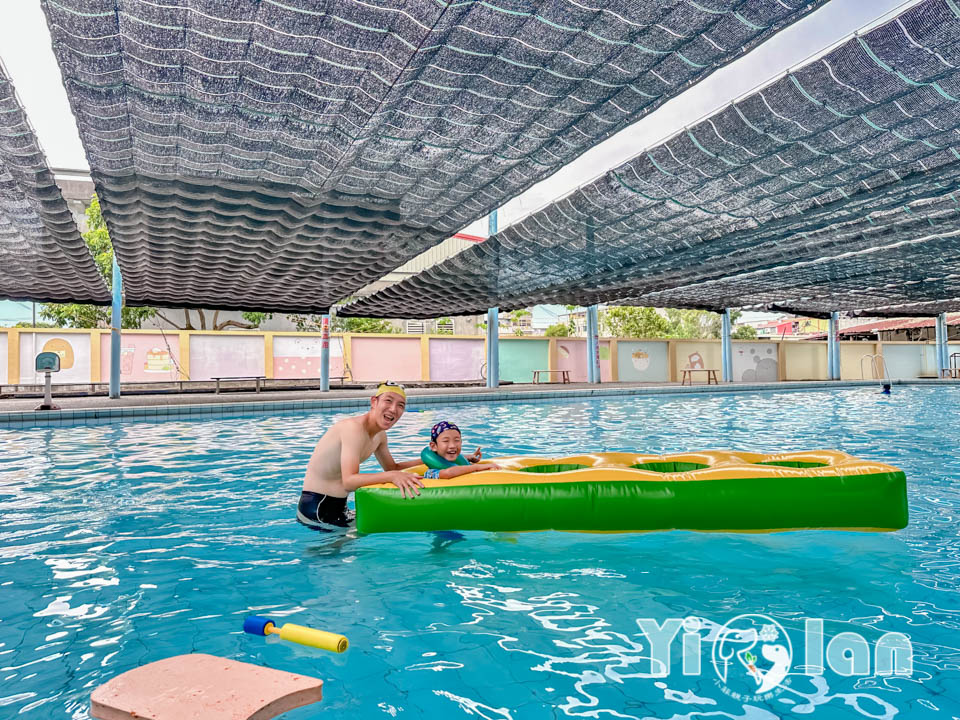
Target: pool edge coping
x=55 y=418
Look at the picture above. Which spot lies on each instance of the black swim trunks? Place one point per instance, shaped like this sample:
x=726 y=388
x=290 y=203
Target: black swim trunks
x=323 y=512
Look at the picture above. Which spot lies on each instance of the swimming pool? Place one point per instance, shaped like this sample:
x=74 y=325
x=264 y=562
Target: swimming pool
x=122 y=544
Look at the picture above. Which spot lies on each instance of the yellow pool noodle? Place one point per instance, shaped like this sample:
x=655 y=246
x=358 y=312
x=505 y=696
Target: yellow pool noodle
x=310 y=637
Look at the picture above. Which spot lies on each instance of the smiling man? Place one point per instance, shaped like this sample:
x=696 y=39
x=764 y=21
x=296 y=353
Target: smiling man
x=334 y=468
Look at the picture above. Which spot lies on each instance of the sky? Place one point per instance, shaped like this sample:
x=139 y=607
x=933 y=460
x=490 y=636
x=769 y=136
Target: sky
x=27 y=55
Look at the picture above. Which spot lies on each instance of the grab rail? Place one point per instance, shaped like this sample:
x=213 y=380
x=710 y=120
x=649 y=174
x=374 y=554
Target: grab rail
x=878 y=367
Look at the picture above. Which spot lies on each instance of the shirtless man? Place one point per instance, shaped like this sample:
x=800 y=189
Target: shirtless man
x=334 y=468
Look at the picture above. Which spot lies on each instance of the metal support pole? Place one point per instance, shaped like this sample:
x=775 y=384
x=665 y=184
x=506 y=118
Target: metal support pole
x=493 y=325
x=116 y=321
x=938 y=344
x=945 y=333
x=493 y=348
x=593 y=344
x=833 y=347
x=325 y=353
x=588 y=316
x=726 y=347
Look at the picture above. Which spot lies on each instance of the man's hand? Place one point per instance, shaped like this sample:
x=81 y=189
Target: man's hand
x=476 y=457
x=407 y=482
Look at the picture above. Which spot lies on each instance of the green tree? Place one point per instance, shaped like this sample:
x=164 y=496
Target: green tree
x=445 y=330
x=638 y=322
x=77 y=315
x=744 y=332
x=314 y=323
x=558 y=330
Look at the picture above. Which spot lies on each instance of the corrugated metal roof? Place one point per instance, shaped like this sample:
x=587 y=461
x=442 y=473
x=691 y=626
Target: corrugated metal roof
x=281 y=155
x=832 y=188
x=42 y=256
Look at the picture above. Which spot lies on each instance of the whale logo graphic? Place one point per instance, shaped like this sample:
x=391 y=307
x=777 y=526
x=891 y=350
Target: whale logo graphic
x=752 y=654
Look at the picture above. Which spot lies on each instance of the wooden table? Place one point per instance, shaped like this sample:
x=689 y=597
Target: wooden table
x=687 y=378
x=564 y=375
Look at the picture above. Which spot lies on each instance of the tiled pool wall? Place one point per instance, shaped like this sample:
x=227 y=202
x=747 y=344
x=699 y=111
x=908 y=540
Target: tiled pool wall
x=164 y=413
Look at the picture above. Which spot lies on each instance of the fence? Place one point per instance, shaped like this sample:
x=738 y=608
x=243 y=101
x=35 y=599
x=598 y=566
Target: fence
x=151 y=355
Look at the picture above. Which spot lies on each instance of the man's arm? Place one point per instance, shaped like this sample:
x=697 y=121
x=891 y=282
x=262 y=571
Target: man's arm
x=351 y=444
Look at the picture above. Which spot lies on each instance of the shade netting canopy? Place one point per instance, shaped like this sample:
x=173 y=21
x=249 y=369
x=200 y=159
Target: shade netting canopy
x=42 y=256
x=831 y=188
x=281 y=154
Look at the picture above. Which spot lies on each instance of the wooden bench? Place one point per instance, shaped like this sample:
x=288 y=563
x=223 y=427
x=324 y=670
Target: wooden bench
x=687 y=378
x=258 y=378
x=564 y=375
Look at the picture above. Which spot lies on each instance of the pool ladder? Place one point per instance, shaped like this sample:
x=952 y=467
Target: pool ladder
x=878 y=368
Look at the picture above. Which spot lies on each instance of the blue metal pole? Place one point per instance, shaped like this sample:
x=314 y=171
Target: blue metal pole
x=726 y=347
x=493 y=324
x=116 y=321
x=834 y=346
x=493 y=348
x=595 y=356
x=325 y=353
x=589 y=344
x=830 y=336
x=945 y=331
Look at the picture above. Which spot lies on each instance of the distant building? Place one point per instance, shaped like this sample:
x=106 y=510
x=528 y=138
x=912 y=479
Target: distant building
x=789 y=326
x=900 y=329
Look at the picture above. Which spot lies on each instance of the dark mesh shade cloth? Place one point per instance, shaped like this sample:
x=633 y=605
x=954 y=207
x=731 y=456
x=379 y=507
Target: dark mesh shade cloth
x=832 y=188
x=281 y=154
x=42 y=256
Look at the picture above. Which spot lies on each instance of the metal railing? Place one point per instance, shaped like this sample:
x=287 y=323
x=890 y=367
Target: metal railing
x=878 y=367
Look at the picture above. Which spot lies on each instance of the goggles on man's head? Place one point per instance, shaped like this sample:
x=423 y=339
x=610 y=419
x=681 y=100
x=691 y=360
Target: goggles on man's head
x=390 y=386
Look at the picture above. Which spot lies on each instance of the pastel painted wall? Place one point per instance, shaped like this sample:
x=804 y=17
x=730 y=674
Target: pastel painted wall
x=455 y=359
x=851 y=354
x=299 y=356
x=910 y=360
x=572 y=356
x=74 y=351
x=643 y=361
x=698 y=354
x=143 y=358
x=519 y=358
x=385 y=358
x=805 y=360
x=3 y=358
x=225 y=356
x=755 y=362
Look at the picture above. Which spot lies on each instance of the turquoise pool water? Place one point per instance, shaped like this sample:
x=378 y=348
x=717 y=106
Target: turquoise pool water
x=126 y=543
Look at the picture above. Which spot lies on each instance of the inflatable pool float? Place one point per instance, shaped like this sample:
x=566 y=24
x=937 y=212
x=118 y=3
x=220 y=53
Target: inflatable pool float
x=626 y=492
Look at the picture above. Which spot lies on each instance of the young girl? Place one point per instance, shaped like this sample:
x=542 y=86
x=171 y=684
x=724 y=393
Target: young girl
x=444 y=459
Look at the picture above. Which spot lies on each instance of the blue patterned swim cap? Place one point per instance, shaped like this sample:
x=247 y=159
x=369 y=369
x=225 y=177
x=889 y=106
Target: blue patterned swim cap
x=440 y=427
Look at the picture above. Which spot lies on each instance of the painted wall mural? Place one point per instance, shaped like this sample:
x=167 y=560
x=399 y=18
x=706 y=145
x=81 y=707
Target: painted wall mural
x=642 y=361
x=755 y=362
x=73 y=349
x=299 y=357
x=572 y=356
x=143 y=358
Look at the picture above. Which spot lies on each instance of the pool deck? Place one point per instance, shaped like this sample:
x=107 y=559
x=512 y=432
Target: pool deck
x=20 y=412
